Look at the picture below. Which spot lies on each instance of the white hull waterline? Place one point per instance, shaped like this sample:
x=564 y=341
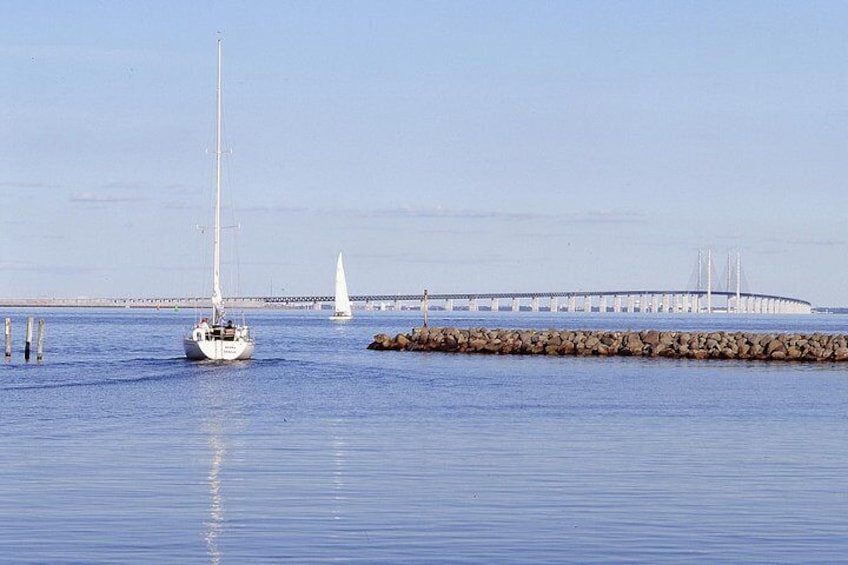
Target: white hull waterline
x=218 y=349
x=341 y=316
x=221 y=341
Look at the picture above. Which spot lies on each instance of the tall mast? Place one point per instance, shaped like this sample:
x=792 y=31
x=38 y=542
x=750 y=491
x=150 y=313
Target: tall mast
x=217 y=299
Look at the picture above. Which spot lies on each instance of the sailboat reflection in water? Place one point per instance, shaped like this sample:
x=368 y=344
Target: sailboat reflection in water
x=216 y=510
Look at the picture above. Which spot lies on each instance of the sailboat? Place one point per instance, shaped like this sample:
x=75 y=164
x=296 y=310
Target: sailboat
x=219 y=340
x=341 y=303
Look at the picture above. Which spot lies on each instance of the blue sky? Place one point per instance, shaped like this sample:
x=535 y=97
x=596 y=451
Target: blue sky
x=458 y=146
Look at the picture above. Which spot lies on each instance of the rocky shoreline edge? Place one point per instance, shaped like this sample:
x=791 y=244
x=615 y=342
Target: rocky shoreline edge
x=816 y=347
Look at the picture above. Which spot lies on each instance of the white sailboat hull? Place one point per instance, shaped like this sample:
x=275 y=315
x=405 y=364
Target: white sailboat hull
x=218 y=349
x=341 y=316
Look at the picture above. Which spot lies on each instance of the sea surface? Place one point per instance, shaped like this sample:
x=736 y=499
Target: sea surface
x=114 y=449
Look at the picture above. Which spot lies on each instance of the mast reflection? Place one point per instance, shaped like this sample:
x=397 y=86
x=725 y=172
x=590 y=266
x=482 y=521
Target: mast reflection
x=215 y=522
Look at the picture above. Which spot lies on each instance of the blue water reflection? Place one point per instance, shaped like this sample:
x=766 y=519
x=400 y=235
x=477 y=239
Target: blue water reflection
x=115 y=449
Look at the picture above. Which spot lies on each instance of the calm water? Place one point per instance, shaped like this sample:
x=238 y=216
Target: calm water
x=116 y=450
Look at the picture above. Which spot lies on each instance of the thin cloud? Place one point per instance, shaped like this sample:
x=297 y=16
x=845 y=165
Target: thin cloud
x=274 y=209
x=22 y=266
x=98 y=198
x=440 y=212
x=815 y=242
x=801 y=242
x=16 y=266
x=120 y=185
x=607 y=217
x=420 y=258
x=28 y=185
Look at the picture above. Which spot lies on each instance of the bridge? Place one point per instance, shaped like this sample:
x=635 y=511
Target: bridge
x=705 y=299
x=657 y=301
x=691 y=301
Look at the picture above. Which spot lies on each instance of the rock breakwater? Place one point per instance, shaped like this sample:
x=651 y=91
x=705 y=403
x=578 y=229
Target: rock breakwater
x=647 y=343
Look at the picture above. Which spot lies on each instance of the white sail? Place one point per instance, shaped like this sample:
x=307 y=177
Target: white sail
x=220 y=340
x=341 y=303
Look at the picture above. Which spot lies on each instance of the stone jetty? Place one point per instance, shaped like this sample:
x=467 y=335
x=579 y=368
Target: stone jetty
x=647 y=343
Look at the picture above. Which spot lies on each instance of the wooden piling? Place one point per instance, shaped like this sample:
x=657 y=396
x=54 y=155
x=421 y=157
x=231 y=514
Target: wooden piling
x=424 y=307
x=8 y=338
x=39 y=348
x=28 y=344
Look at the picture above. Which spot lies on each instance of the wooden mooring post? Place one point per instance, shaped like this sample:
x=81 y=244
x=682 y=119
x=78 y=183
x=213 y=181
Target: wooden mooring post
x=39 y=347
x=8 y=338
x=424 y=307
x=28 y=344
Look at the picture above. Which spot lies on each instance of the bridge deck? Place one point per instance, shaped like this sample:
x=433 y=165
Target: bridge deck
x=264 y=301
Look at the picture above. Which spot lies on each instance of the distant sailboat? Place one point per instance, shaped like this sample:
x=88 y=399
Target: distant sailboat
x=341 y=303
x=220 y=340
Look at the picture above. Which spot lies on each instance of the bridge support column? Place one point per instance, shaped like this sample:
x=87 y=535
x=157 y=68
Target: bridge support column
x=631 y=303
x=602 y=304
x=587 y=304
x=472 y=305
x=396 y=306
x=369 y=306
x=685 y=302
x=572 y=304
x=554 y=304
x=516 y=305
x=616 y=304
x=449 y=305
x=316 y=305
x=534 y=304
x=496 y=305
